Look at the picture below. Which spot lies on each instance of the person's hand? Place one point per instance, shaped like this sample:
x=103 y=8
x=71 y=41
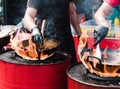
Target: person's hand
x=100 y=33
x=37 y=37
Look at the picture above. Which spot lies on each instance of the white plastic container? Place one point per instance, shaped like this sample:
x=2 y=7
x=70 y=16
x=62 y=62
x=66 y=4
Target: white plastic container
x=90 y=25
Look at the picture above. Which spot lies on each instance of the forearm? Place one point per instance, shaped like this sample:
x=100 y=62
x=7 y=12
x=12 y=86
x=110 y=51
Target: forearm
x=29 y=20
x=102 y=12
x=75 y=24
x=74 y=20
x=29 y=24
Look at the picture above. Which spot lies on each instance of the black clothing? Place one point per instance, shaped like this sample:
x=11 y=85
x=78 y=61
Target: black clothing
x=15 y=10
x=56 y=14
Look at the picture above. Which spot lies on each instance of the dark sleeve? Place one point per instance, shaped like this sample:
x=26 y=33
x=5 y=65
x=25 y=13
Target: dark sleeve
x=70 y=0
x=33 y=3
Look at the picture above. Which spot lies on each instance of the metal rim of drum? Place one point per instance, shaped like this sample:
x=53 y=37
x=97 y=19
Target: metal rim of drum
x=67 y=55
x=89 y=84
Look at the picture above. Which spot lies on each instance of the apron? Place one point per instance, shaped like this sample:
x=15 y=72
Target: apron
x=56 y=14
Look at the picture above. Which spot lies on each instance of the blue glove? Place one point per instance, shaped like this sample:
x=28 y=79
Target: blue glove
x=37 y=37
x=100 y=33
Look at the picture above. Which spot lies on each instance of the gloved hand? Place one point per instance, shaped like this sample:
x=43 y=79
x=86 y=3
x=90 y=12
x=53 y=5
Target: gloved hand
x=37 y=37
x=100 y=33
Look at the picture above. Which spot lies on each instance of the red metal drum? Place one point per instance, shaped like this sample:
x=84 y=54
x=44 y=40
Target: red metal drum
x=78 y=79
x=76 y=43
x=15 y=75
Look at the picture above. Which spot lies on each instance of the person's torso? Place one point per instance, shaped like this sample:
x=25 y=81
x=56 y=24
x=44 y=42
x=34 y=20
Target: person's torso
x=56 y=14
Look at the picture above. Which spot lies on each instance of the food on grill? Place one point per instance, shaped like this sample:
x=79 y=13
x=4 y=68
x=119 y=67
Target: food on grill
x=49 y=44
x=24 y=47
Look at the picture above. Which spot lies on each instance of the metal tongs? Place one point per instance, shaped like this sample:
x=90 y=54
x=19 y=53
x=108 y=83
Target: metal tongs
x=40 y=45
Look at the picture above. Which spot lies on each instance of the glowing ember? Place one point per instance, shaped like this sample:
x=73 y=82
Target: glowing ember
x=102 y=63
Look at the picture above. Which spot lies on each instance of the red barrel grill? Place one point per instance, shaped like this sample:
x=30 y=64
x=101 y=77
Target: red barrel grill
x=80 y=77
x=18 y=73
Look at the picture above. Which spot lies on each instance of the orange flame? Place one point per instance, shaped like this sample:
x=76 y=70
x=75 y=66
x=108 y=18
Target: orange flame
x=94 y=66
x=23 y=46
x=83 y=39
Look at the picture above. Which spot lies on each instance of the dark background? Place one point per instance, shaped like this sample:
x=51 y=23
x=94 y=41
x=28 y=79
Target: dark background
x=15 y=10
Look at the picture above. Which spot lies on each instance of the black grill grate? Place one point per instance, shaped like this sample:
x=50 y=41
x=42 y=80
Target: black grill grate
x=11 y=56
x=77 y=72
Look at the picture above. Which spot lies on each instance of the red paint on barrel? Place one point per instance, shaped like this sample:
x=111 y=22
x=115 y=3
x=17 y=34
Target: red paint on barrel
x=109 y=42
x=21 y=76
